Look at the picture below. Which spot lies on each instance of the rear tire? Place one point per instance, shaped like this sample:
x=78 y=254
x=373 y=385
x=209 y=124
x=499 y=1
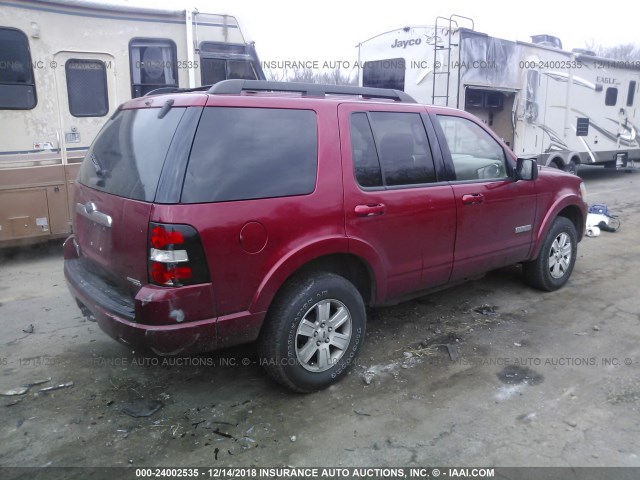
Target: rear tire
x=553 y=267
x=313 y=332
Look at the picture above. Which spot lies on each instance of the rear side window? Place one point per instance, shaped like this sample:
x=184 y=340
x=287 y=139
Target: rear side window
x=390 y=149
x=248 y=153
x=17 y=87
x=384 y=74
x=127 y=156
x=87 y=88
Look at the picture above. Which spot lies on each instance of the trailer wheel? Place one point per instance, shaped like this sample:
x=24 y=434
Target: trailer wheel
x=571 y=168
x=556 y=164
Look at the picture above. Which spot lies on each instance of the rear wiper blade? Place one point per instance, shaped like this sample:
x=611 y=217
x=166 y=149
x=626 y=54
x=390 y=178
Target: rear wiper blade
x=165 y=108
x=100 y=171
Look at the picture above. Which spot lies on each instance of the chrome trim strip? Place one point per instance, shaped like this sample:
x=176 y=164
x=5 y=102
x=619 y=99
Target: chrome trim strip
x=90 y=211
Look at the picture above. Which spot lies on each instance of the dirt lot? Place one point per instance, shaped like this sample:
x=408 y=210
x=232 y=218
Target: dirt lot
x=527 y=379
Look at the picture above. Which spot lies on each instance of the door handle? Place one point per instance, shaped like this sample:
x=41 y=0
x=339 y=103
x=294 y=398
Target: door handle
x=370 y=210
x=89 y=210
x=473 y=199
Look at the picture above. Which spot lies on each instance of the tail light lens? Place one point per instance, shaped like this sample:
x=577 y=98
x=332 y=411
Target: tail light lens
x=176 y=256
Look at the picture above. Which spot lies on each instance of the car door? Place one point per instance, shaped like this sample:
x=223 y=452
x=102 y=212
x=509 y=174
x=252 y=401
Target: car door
x=395 y=205
x=495 y=213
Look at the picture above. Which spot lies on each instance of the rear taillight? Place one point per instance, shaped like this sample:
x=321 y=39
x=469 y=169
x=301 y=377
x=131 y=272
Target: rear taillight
x=176 y=256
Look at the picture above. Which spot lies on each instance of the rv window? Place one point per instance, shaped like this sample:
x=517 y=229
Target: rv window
x=17 y=87
x=384 y=74
x=474 y=153
x=611 y=97
x=153 y=65
x=631 y=93
x=215 y=70
x=403 y=150
x=240 y=69
x=87 y=88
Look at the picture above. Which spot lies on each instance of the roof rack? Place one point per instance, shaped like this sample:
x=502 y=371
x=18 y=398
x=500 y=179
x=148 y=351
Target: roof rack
x=236 y=86
x=163 y=90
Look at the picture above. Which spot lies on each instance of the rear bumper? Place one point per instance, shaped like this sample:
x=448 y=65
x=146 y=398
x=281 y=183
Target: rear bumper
x=119 y=316
x=177 y=339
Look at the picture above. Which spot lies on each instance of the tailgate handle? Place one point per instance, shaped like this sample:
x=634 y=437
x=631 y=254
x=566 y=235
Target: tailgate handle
x=370 y=210
x=473 y=199
x=90 y=211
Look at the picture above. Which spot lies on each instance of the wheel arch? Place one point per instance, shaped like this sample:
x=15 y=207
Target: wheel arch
x=564 y=208
x=330 y=256
x=575 y=158
x=556 y=161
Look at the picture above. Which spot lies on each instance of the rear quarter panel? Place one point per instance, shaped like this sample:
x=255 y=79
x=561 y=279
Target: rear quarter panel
x=295 y=229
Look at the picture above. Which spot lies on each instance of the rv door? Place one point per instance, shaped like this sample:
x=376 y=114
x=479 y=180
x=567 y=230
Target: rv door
x=86 y=95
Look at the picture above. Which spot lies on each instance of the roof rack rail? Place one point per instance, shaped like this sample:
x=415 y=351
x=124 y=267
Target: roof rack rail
x=237 y=86
x=163 y=90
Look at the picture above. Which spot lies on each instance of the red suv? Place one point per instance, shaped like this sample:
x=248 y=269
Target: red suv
x=277 y=211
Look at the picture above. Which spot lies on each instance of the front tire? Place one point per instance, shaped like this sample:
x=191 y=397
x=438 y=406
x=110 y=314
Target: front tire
x=313 y=332
x=553 y=267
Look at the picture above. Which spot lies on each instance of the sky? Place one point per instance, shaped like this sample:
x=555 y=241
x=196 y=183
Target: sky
x=329 y=30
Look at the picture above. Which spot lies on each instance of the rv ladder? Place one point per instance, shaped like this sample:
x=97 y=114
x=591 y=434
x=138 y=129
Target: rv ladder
x=446 y=70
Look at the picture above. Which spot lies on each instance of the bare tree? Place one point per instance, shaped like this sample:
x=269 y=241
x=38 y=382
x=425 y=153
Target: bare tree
x=626 y=51
x=337 y=77
x=304 y=75
x=334 y=76
x=276 y=75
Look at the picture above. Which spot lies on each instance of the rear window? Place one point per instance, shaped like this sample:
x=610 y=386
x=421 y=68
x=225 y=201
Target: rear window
x=249 y=153
x=127 y=156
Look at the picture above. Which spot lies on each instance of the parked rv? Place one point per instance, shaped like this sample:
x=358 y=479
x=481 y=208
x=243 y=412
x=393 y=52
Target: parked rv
x=562 y=108
x=64 y=69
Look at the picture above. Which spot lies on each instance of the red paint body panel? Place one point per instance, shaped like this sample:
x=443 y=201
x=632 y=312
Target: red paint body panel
x=486 y=238
x=119 y=251
x=414 y=237
x=410 y=239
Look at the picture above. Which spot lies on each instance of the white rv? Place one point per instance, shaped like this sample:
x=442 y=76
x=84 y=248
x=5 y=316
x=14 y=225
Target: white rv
x=65 y=66
x=564 y=108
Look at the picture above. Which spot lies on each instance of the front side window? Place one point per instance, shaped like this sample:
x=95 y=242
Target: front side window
x=384 y=74
x=249 y=153
x=475 y=154
x=87 y=88
x=153 y=65
x=17 y=86
x=390 y=149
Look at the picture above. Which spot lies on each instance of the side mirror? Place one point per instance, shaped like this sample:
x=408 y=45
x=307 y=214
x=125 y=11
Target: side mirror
x=526 y=169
